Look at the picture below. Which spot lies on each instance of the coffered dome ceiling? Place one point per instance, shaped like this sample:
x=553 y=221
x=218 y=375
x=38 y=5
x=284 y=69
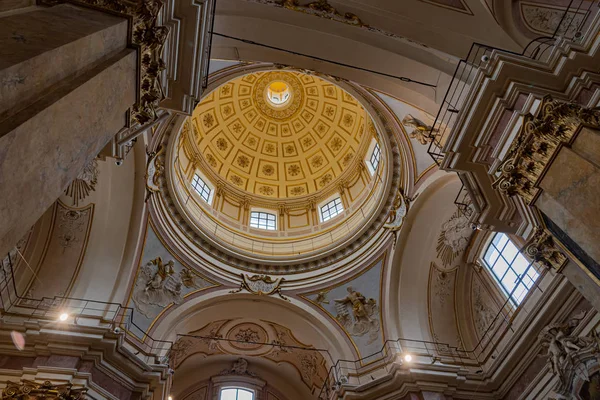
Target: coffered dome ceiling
x=280 y=134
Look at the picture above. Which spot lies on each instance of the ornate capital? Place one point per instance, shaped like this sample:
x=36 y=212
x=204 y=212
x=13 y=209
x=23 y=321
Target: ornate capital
x=25 y=390
x=537 y=142
x=544 y=252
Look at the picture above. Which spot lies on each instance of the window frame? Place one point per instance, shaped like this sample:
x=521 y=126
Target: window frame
x=237 y=389
x=502 y=265
x=263 y=215
x=375 y=153
x=199 y=180
x=338 y=206
x=374 y=145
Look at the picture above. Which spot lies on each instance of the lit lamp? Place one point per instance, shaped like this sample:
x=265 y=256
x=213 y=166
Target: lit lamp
x=63 y=317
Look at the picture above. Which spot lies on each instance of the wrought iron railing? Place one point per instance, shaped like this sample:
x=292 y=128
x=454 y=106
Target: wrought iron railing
x=81 y=312
x=427 y=354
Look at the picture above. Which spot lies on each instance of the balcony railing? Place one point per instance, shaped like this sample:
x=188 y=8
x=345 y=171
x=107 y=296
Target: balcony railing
x=84 y=313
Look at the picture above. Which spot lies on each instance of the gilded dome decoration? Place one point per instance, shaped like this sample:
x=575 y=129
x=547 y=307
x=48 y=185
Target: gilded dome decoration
x=280 y=134
x=282 y=146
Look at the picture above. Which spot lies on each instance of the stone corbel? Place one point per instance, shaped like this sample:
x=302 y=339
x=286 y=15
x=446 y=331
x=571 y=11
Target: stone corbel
x=544 y=252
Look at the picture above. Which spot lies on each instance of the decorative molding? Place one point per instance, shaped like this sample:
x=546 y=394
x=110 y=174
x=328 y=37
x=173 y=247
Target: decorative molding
x=454 y=237
x=544 y=252
x=454 y=5
x=536 y=144
x=398 y=212
x=26 y=390
x=322 y=9
x=544 y=19
x=85 y=183
x=261 y=285
x=280 y=346
x=155 y=169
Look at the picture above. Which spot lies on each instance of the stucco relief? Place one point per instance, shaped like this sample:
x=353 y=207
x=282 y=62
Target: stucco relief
x=277 y=343
x=545 y=19
x=161 y=281
x=322 y=9
x=355 y=306
x=85 y=183
x=454 y=238
x=358 y=315
x=419 y=130
x=568 y=353
x=157 y=284
x=58 y=270
x=483 y=306
x=441 y=308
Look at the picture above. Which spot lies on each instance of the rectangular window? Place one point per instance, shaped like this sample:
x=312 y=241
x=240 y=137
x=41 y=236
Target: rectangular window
x=201 y=187
x=331 y=209
x=513 y=272
x=375 y=157
x=263 y=220
x=236 y=394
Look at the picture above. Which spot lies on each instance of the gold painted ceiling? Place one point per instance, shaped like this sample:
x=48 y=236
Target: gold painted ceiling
x=297 y=148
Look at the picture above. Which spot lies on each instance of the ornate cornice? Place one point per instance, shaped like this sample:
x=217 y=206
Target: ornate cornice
x=537 y=143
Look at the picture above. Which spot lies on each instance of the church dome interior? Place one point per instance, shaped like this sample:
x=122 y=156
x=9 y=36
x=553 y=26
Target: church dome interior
x=299 y=200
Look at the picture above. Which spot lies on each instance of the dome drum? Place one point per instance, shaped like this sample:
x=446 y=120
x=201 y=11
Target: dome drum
x=282 y=163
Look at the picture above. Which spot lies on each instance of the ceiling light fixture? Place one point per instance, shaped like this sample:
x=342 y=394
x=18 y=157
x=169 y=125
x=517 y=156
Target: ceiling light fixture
x=407 y=358
x=63 y=317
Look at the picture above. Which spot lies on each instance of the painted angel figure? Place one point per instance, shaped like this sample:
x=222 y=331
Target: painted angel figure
x=421 y=132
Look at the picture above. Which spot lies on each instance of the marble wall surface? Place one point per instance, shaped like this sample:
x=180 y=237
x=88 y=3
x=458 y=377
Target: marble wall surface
x=67 y=82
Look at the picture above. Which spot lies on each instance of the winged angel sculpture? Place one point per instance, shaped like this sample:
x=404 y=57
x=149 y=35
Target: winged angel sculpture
x=158 y=285
x=421 y=132
x=564 y=345
x=359 y=315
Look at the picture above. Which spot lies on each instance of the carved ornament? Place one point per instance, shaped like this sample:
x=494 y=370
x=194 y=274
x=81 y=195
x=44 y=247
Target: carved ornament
x=421 y=132
x=148 y=37
x=568 y=353
x=261 y=285
x=155 y=169
x=85 y=183
x=29 y=390
x=537 y=142
x=544 y=252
